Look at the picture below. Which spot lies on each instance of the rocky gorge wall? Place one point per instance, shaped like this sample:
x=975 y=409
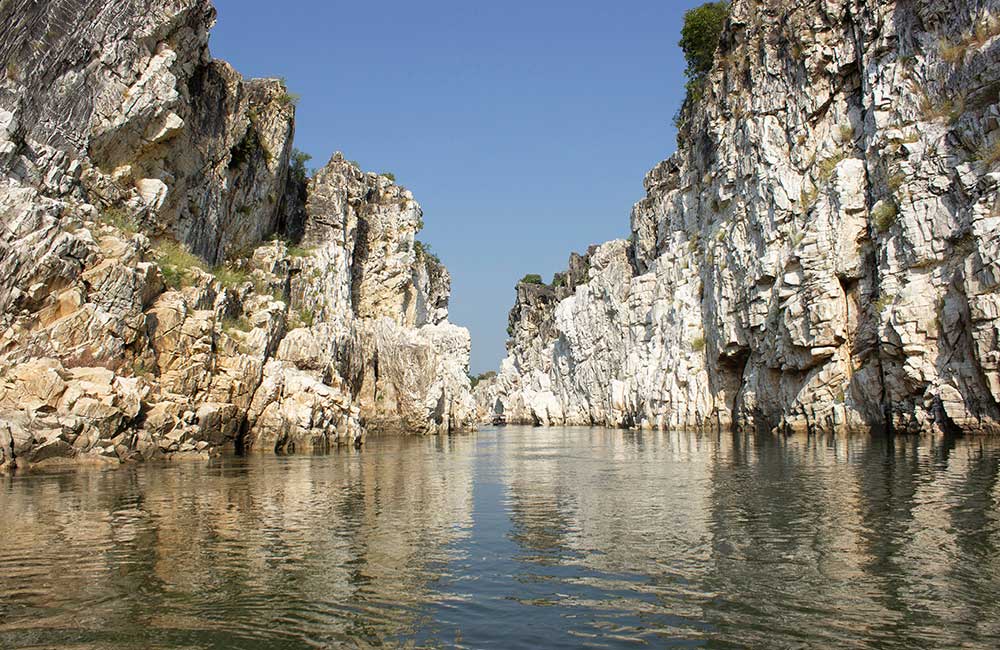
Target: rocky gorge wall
x=169 y=283
x=821 y=252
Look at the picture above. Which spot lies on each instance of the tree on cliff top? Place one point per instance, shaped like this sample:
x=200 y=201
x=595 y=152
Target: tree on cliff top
x=700 y=37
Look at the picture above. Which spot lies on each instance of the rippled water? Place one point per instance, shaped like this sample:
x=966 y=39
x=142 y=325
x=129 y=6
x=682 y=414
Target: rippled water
x=516 y=538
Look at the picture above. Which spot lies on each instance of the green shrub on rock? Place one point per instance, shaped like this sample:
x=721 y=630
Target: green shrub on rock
x=699 y=39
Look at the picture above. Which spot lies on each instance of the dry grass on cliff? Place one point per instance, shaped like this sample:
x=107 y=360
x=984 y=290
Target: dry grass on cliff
x=176 y=263
x=989 y=154
x=986 y=29
x=120 y=219
x=230 y=277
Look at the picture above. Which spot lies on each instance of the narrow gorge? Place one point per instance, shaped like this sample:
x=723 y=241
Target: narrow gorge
x=171 y=282
x=819 y=254
x=822 y=253
x=235 y=414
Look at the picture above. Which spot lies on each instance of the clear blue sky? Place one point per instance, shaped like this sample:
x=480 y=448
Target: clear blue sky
x=523 y=128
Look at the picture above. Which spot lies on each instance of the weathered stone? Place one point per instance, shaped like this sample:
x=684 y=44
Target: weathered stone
x=124 y=148
x=822 y=251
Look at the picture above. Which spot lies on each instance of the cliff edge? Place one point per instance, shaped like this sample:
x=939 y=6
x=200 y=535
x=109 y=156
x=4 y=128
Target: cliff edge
x=821 y=252
x=171 y=282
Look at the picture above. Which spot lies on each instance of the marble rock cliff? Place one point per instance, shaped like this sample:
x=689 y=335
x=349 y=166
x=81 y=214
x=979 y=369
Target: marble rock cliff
x=822 y=252
x=169 y=283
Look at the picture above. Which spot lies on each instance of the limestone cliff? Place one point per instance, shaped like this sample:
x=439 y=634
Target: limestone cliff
x=167 y=284
x=821 y=252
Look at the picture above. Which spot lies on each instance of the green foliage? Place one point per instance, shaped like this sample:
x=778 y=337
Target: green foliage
x=531 y=278
x=303 y=318
x=559 y=280
x=389 y=175
x=698 y=343
x=895 y=182
x=176 y=263
x=699 y=39
x=700 y=36
x=884 y=215
x=288 y=98
x=229 y=277
x=297 y=166
x=245 y=148
x=476 y=379
x=120 y=219
x=241 y=324
x=293 y=250
x=424 y=251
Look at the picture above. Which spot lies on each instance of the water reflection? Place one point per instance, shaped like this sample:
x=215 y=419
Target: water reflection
x=517 y=537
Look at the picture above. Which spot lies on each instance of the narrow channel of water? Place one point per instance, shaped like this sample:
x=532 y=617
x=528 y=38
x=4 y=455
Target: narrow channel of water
x=516 y=538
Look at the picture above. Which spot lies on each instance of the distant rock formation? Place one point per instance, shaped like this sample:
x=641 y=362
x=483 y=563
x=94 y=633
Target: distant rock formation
x=823 y=252
x=167 y=285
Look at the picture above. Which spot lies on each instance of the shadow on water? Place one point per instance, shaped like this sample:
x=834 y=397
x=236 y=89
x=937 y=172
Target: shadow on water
x=517 y=538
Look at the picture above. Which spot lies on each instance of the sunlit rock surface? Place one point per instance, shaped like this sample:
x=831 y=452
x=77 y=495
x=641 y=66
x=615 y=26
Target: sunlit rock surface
x=821 y=253
x=152 y=299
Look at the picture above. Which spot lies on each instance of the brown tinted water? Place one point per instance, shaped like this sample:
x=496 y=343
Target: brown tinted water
x=516 y=538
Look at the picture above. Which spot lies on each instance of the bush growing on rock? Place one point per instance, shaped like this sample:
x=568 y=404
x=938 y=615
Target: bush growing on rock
x=699 y=40
x=297 y=165
x=476 y=379
x=531 y=278
x=288 y=98
x=884 y=215
x=424 y=250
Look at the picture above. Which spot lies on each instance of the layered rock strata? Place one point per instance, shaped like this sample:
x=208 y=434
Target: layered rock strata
x=152 y=300
x=821 y=252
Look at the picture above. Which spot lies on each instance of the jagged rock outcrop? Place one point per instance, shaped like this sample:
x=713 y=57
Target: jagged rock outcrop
x=821 y=253
x=144 y=310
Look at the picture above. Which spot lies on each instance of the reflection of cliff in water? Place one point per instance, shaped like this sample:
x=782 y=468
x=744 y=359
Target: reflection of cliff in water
x=318 y=548
x=871 y=535
x=607 y=502
x=730 y=530
x=515 y=537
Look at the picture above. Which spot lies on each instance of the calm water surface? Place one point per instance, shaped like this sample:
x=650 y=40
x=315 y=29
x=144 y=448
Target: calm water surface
x=516 y=538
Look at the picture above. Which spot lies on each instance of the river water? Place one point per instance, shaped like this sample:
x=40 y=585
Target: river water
x=516 y=538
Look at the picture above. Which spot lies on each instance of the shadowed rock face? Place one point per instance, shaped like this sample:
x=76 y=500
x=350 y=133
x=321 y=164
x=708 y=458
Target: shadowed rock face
x=124 y=149
x=821 y=253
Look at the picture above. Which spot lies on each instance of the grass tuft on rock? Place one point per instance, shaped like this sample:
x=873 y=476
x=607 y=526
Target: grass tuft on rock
x=120 y=219
x=989 y=154
x=176 y=263
x=229 y=277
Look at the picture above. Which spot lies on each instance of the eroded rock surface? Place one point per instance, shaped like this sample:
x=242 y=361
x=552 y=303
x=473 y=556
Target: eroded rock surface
x=822 y=251
x=152 y=301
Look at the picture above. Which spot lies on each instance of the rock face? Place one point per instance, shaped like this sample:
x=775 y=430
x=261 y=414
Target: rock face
x=145 y=311
x=822 y=252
